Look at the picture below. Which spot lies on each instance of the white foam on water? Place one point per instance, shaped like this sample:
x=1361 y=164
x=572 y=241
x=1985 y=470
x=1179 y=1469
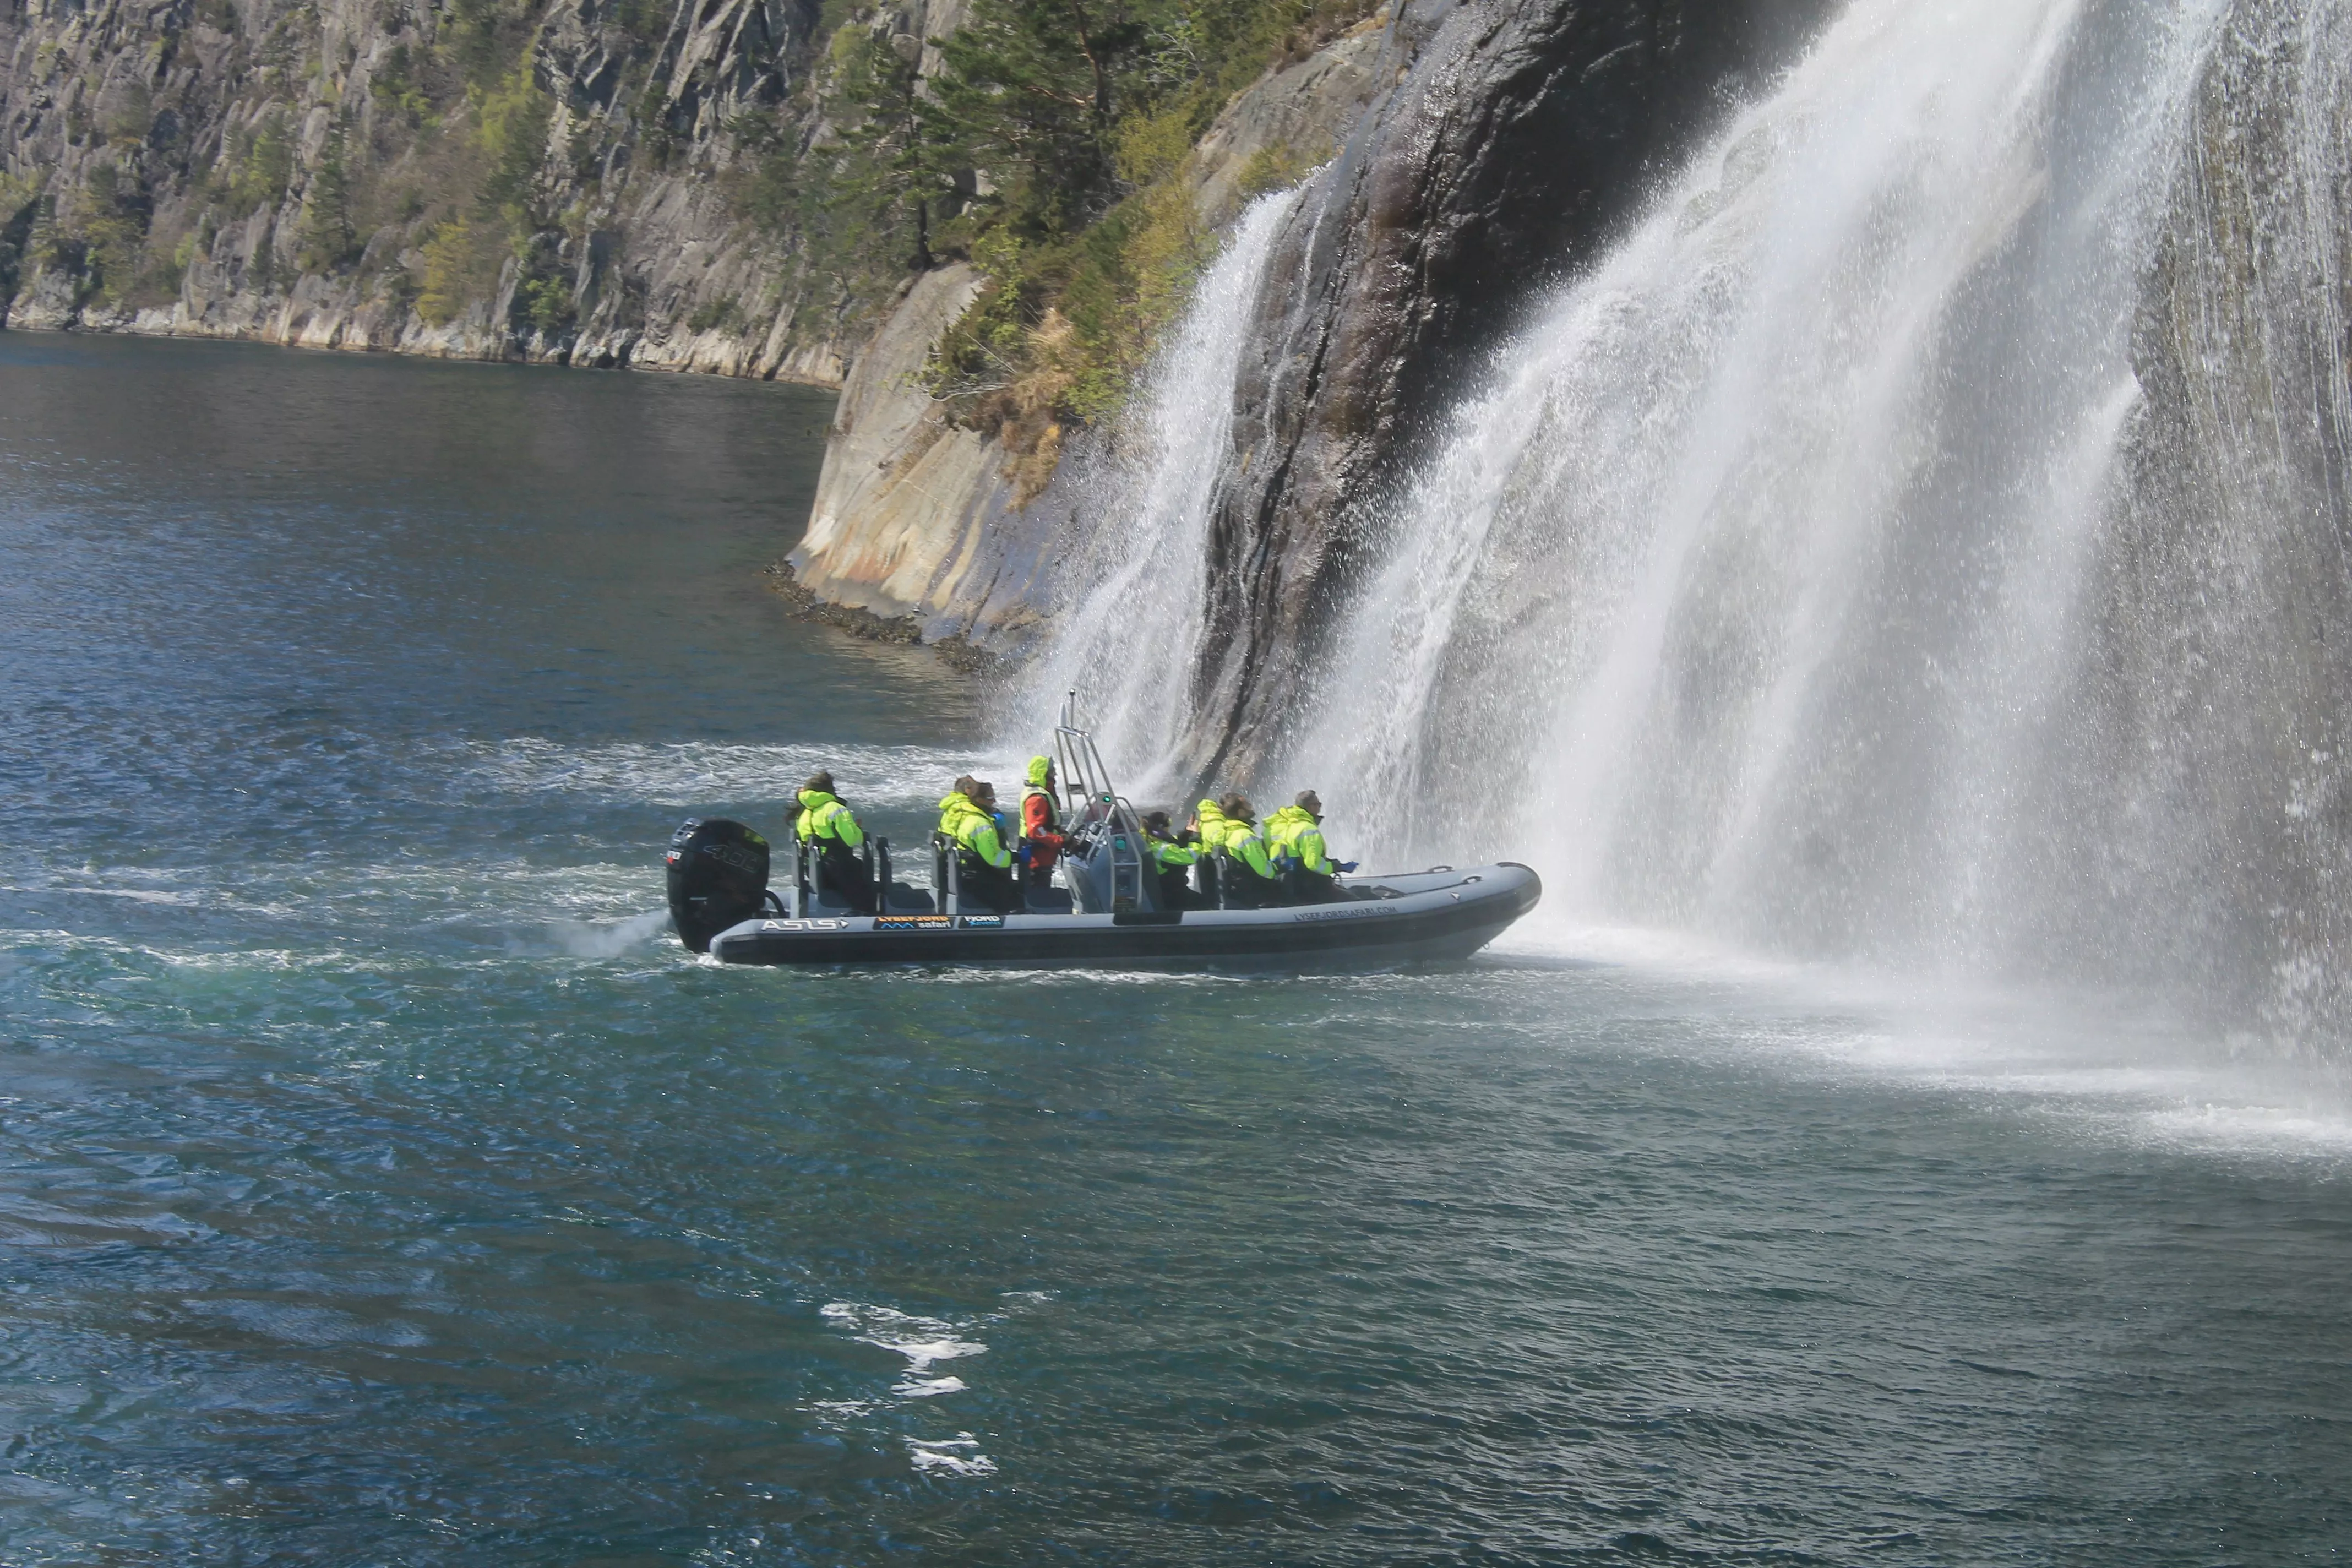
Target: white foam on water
x=926 y=1387
x=2098 y=1064
x=584 y=939
x=925 y=1342
x=396 y=893
x=19 y=943
x=691 y=774
x=922 y=1341
x=137 y=895
x=956 y=1455
x=1081 y=978
x=844 y=1409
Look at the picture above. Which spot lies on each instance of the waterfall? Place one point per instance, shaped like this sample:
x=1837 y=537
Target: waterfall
x=1735 y=598
x=1134 y=629
x=1921 y=538
x=1815 y=572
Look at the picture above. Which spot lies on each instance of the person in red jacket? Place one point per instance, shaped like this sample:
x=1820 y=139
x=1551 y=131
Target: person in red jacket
x=1041 y=821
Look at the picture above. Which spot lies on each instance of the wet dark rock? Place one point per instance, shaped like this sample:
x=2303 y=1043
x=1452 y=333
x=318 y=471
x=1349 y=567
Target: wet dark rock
x=1517 y=137
x=851 y=619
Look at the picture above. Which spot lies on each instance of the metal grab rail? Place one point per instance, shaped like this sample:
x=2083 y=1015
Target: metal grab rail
x=1101 y=818
x=807 y=877
x=947 y=873
x=946 y=878
x=797 y=905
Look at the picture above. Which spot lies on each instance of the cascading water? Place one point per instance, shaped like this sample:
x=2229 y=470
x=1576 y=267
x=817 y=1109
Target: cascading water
x=1835 y=568
x=1736 y=599
x=1128 y=638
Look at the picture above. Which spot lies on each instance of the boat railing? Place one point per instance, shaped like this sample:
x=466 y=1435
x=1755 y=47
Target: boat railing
x=796 y=905
x=808 y=883
x=1090 y=801
x=947 y=874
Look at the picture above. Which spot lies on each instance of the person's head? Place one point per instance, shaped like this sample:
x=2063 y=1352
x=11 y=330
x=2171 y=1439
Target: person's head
x=1155 y=822
x=819 y=782
x=1310 y=803
x=984 y=795
x=967 y=786
x=1236 y=806
x=1041 y=771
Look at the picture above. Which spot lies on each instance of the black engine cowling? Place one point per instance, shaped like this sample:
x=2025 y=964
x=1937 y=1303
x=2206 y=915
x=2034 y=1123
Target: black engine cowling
x=718 y=878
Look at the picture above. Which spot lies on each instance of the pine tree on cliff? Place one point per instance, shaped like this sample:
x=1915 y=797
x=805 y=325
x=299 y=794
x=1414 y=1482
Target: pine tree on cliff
x=1052 y=100
x=895 y=163
x=328 y=234
x=1030 y=96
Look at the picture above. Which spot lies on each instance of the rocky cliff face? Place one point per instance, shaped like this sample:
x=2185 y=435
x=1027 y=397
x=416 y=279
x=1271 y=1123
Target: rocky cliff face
x=919 y=517
x=2221 y=604
x=1515 y=135
x=1476 y=151
x=484 y=179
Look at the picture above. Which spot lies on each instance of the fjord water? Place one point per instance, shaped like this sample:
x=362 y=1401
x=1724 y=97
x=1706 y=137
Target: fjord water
x=378 y=1185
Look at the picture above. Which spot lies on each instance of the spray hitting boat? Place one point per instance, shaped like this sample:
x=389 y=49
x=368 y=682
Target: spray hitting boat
x=1105 y=911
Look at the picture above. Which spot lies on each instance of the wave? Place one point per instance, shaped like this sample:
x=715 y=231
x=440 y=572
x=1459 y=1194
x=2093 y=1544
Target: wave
x=689 y=774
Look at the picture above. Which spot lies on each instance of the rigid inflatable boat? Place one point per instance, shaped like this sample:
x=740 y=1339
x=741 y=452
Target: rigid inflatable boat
x=1105 y=911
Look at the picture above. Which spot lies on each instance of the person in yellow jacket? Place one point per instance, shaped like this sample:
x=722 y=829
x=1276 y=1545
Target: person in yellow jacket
x=828 y=825
x=983 y=866
x=1173 y=856
x=1295 y=834
x=1250 y=880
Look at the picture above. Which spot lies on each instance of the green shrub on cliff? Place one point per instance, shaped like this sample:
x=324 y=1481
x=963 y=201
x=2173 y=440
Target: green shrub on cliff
x=111 y=224
x=260 y=163
x=393 y=85
x=460 y=265
x=484 y=36
x=500 y=212
x=547 y=303
x=1048 y=148
x=1082 y=118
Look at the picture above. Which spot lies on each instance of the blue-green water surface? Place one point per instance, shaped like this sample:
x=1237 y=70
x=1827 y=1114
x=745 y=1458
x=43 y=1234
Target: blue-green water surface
x=379 y=1185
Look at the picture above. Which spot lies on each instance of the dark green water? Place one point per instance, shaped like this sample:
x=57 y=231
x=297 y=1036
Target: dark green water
x=378 y=1186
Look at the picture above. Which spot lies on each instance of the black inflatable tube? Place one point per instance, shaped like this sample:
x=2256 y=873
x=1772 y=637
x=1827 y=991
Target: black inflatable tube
x=1439 y=924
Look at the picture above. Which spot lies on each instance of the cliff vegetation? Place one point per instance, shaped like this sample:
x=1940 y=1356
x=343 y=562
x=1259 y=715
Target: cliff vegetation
x=741 y=185
x=1091 y=238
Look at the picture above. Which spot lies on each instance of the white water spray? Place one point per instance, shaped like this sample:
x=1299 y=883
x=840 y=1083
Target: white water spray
x=1742 y=579
x=1128 y=644
x=1816 y=573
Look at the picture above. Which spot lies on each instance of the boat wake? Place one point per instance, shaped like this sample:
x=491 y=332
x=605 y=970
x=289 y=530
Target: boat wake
x=694 y=774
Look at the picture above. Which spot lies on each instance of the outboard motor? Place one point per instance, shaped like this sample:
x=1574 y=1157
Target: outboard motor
x=718 y=878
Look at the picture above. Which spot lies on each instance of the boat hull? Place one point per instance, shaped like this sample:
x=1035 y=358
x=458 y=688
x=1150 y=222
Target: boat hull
x=1396 y=922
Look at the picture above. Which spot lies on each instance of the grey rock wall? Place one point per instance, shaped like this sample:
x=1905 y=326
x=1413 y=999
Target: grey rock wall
x=133 y=112
x=2224 y=694
x=1510 y=139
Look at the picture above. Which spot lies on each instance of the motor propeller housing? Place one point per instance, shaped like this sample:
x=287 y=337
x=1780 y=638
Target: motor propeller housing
x=717 y=876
